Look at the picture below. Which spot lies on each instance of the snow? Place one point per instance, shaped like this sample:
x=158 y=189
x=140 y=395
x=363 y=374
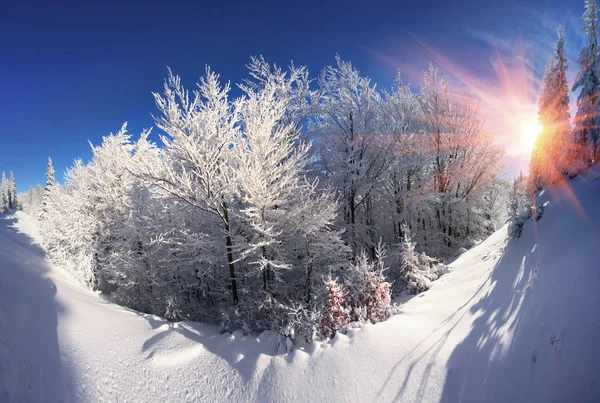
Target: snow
x=512 y=321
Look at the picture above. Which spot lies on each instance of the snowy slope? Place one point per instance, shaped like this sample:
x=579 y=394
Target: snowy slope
x=514 y=321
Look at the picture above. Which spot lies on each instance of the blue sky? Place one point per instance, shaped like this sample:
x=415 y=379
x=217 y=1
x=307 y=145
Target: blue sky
x=70 y=73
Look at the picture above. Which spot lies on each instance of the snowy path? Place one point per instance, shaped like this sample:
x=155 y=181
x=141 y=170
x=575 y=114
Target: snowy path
x=512 y=322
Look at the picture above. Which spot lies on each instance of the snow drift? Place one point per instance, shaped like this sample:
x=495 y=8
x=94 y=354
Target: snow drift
x=513 y=321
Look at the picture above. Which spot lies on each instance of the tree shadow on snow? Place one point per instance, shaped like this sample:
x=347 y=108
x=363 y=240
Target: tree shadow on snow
x=527 y=341
x=496 y=313
x=30 y=358
x=241 y=352
x=496 y=306
x=440 y=336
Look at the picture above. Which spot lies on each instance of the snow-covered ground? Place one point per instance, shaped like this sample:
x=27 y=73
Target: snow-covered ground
x=513 y=321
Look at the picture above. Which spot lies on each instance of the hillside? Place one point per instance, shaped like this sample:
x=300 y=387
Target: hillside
x=514 y=321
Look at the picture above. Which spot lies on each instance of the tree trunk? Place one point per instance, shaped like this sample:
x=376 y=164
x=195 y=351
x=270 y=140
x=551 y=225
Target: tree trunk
x=352 y=220
x=229 y=243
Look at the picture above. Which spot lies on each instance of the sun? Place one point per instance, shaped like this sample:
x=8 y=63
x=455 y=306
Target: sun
x=529 y=132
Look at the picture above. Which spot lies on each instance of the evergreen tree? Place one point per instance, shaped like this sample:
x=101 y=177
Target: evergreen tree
x=586 y=135
x=551 y=157
x=4 y=205
x=49 y=185
x=519 y=205
x=518 y=198
x=12 y=192
x=49 y=174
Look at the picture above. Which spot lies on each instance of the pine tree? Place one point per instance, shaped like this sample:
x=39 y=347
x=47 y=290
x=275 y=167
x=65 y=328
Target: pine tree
x=518 y=198
x=534 y=183
x=551 y=158
x=4 y=205
x=49 y=174
x=12 y=192
x=585 y=138
x=519 y=205
x=49 y=185
x=415 y=281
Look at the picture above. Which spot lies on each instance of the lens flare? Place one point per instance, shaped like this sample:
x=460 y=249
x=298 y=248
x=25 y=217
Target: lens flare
x=530 y=132
x=508 y=99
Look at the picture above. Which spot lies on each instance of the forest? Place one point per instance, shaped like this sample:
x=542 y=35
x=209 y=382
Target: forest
x=307 y=203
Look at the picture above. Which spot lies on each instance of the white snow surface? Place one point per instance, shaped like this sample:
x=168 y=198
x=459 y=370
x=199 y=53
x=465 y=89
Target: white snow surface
x=514 y=321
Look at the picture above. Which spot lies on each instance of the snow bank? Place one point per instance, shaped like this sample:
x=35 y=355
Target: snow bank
x=512 y=321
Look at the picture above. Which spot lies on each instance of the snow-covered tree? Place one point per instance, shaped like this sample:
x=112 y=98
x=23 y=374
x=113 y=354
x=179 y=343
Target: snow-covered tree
x=197 y=165
x=519 y=199
x=67 y=226
x=402 y=125
x=352 y=151
x=50 y=182
x=416 y=281
x=241 y=169
x=369 y=294
x=415 y=270
x=30 y=201
x=8 y=193
x=293 y=86
x=552 y=157
x=90 y=223
x=236 y=218
x=335 y=315
x=519 y=207
x=4 y=194
x=585 y=138
x=12 y=192
x=464 y=162
x=284 y=213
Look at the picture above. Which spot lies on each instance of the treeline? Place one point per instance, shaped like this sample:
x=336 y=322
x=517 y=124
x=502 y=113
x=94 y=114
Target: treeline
x=301 y=205
x=563 y=151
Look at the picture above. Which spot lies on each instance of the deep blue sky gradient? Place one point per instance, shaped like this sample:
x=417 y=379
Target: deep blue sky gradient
x=73 y=72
